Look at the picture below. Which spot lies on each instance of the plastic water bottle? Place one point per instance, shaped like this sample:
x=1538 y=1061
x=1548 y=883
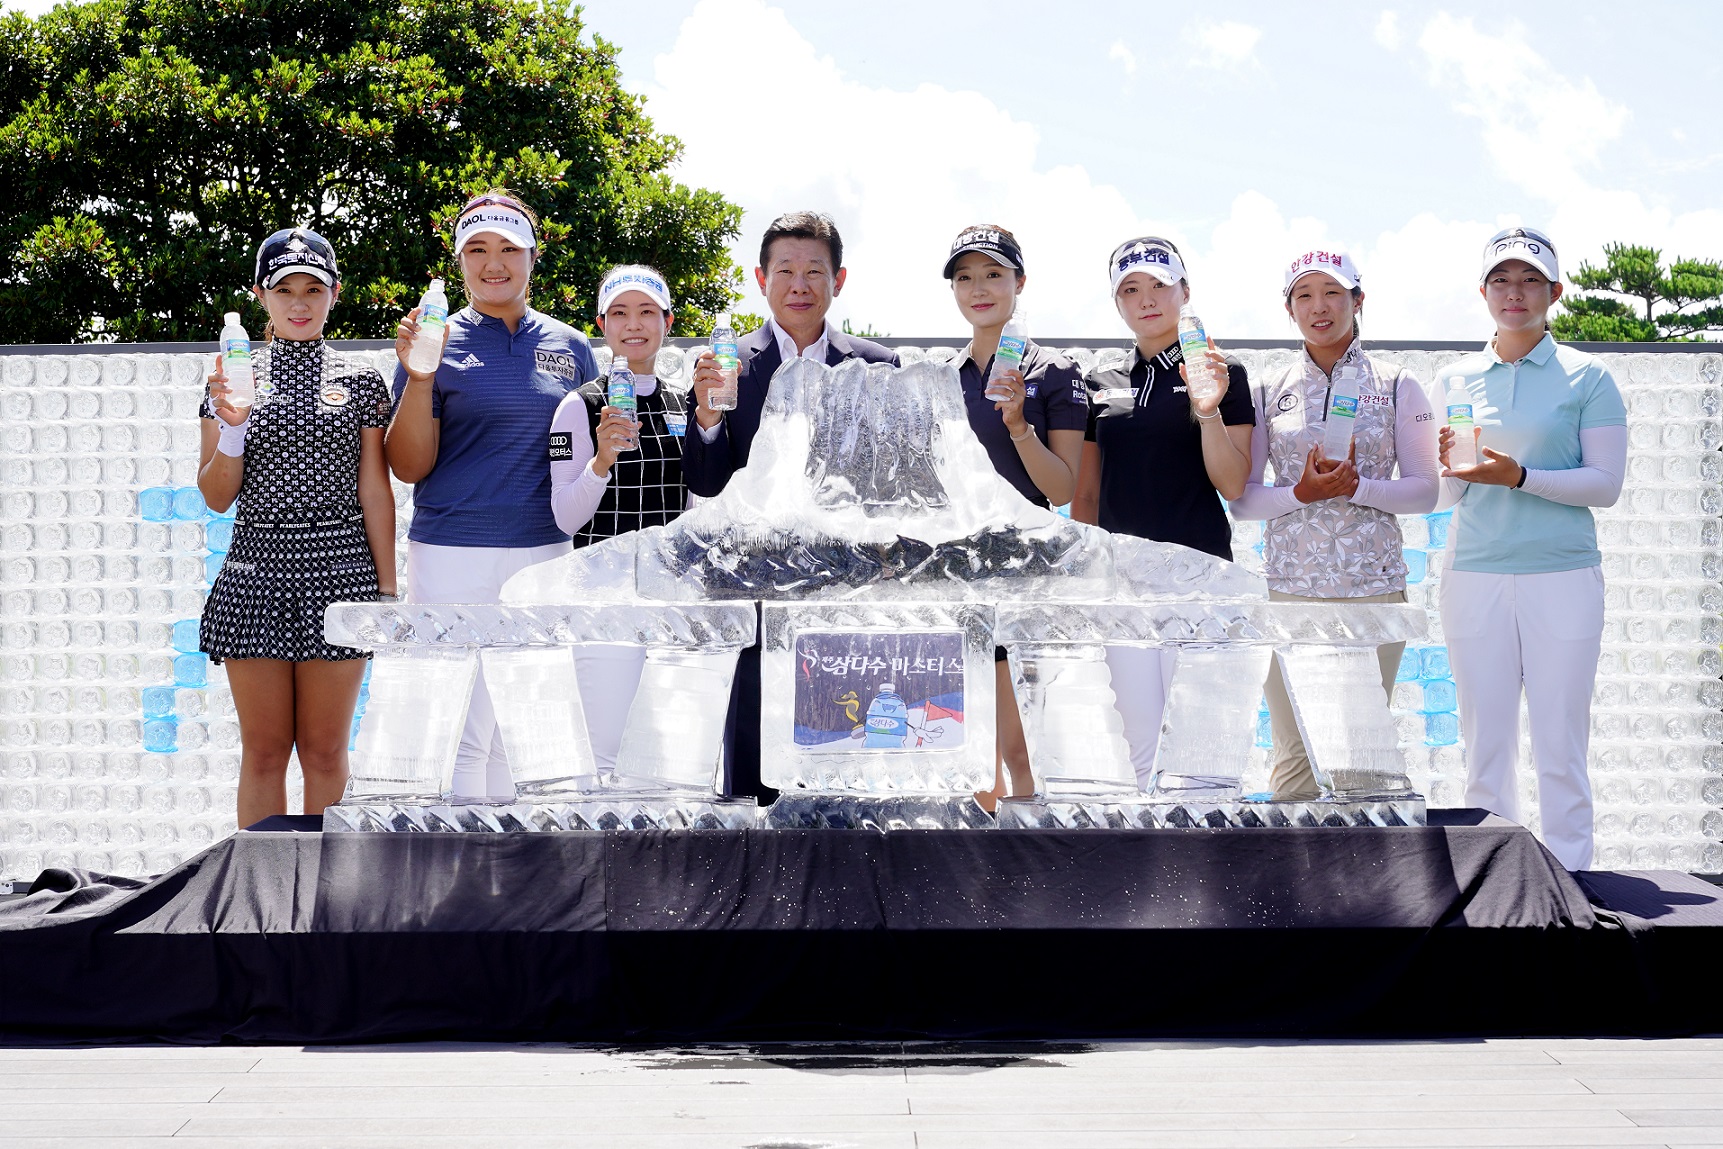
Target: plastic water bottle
x=1193 y=342
x=426 y=353
x=887 y=724
x=236 y=361
x=1342 y=414
x=1013 y=346
x=1464 y=451
x=620 y=394
x=723 y=397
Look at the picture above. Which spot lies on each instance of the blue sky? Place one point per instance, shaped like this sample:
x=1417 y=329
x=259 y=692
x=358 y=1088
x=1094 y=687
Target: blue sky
x=1246 y=132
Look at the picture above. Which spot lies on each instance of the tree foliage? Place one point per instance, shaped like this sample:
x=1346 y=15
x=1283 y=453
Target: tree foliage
x=1638 y=300
x=148 y=145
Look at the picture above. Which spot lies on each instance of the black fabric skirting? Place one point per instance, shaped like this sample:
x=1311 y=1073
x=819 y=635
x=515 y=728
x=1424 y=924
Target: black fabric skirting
x=1467 y=926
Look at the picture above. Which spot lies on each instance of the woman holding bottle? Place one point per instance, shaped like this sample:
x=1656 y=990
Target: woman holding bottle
x=470 y=436
x=1157 y=461
x=1029 y=416
x=611 y=474
x=1331 y=532
x=302 y=453
x=1522 y=591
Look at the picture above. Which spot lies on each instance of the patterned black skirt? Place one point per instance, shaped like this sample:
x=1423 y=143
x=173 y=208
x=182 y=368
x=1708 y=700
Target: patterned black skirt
x=269 y=598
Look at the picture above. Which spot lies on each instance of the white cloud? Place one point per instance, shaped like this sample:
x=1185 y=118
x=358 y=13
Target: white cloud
x=1123 y=55
x=1388 y=32
x=1545 y=132
x=1540 y=126
x=907 y=176
x=1226 y=46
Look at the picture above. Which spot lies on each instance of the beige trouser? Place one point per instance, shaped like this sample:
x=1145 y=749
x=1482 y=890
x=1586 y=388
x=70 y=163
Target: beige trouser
x=1291 y=778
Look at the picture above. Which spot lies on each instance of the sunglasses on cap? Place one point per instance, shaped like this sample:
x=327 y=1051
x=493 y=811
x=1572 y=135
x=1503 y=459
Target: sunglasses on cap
x=1529 y=233
x=1132 y=250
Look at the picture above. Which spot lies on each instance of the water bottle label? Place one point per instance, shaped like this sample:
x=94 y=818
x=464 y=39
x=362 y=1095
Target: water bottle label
x=1343 y=407
x=621 y=393
x=236 y=351
x=1459 y=413
x=432 y=316
x=1013 y=348
x=725 y=353
x=883 y=723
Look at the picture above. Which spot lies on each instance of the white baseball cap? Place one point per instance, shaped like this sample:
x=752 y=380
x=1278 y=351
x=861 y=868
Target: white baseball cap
x=1335 y=263
x=634 y=277
x=496 y=216
x=1150 y=254
x=1525 y=243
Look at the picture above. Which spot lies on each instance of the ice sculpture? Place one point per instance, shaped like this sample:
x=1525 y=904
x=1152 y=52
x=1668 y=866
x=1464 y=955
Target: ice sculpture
x=882 y=544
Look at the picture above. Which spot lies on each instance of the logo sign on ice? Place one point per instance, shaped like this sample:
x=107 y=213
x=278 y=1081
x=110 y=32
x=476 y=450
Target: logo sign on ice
x=868 y=690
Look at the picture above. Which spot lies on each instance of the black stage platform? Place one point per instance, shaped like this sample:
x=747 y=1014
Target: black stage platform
x=1465 y=927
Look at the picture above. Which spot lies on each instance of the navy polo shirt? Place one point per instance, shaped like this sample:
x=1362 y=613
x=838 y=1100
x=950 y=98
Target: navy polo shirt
x=496 y=391
x=1055 y=399
x=1153 y=481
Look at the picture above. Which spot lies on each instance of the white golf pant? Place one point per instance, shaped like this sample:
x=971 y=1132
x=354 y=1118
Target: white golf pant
x=1538 y=635
x=1142 y=678
x=438 y=574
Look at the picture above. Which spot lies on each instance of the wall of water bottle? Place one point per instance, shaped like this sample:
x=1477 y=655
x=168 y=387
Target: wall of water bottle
x=119 y=748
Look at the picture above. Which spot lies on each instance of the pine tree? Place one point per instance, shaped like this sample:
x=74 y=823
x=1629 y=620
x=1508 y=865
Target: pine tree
x=1677 y=304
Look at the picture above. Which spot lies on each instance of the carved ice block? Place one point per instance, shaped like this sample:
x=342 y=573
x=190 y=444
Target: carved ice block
x=675 y=728
x=407 y=744
x=536 y=695
x=1344 y=720
x=1071 y=718
x=1209 y=728
x=890 y=698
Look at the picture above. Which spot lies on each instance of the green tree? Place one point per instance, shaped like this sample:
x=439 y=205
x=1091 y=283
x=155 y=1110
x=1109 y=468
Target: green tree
x=148 y=145
x=1678 y=304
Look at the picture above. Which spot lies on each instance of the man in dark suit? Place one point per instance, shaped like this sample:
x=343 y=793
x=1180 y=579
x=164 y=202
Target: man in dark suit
x=801 y=271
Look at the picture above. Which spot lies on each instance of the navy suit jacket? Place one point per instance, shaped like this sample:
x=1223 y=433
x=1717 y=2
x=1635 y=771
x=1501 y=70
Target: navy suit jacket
x=706 y=467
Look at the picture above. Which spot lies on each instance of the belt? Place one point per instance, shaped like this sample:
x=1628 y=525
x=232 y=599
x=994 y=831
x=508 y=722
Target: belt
x=273 y=524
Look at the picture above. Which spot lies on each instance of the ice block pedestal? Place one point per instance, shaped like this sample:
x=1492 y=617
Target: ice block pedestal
x=877 y=716
x=664 y=775
x=1082 y=765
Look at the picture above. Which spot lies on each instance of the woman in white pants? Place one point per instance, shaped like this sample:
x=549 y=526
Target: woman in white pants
x=1156 y=463
x=1522 y=592
x=470 y=437
x=1332 y=533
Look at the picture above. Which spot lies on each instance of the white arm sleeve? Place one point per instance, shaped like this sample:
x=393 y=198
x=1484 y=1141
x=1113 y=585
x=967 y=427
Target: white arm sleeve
x=574 y=490
x=1414 y=492
x=1260 y=501
x=1596 y=482
x=707 y=434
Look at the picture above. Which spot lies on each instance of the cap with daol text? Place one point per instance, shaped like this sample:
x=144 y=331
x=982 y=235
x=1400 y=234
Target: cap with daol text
x=293 y=250
x=1335 y=263
x=1521 y=243
x=995 y=243
x=497 y=216
x=1150 y=254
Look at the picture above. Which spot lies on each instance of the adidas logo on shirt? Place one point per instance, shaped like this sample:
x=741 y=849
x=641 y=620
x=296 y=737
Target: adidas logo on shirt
x=471 y=361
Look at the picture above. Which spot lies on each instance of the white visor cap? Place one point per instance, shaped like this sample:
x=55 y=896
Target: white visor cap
x=1149 y=255
x=633 y=278
x=496 y=219
x=1521 y=243
x=1335 y=263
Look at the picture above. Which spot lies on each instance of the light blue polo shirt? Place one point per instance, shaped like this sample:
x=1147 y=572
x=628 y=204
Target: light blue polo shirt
x=1532 y=410
x=495 y=395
